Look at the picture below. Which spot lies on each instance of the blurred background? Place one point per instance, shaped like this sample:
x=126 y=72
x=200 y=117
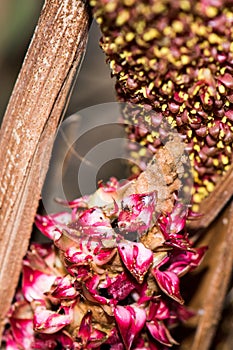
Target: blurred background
x=17 y=23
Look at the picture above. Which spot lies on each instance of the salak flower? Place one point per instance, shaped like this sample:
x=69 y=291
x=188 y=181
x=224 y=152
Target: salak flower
x=111 y=277
x=175 y=58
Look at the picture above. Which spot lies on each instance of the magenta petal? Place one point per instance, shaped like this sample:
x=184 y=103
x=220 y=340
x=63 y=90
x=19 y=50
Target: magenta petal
x=174 y=222
x=169 y=283
x=159 y=310
x=41 y=257
x=76 y=203
x=183 y=261
x=47 y=321
x=114 y=340
x=23 y=333
x=144 y=294
x=75 y=256
x=227 y=80
x=93 y=222
x=97 y=338
x=51 y=224
x=103 y=256
x=137 y=212
x=9 y=341
x=35 y=283
x=159 y=332
x=53 y=341
x=90 y=290
x=121 y=287
x=63 y=288
x=196 y=256
x=179 y=313
x=137 y=258
x=85 y=328
x=130 y=320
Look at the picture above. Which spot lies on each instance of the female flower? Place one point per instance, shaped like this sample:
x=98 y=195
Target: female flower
x=175 y=58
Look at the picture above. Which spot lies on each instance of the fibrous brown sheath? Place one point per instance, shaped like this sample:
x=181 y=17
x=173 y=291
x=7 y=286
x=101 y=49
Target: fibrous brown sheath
x=212 y=282
x=34 y=111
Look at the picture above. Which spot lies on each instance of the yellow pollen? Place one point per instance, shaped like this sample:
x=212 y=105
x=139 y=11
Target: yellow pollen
x=196 y=148
x=110 y=6
x=195 y=208
x=134 y=169
x=150 y=138
x=211 y=11
x=225 y=159
x=231 y=47
x=221 y=89
x=222 y=70
x=129 y=36
x=151 y=34
x=151 y=85
x=207 y=52
x=143 y=89
x=224 y=119
x=197 y=198
x=99 y=20
x=177 y=26
x=122 y=17
x=129 y=2
x=164 y=51
x=202 y=191
x=142 y=152
x=185 y=5
x=221 y=134
x=220 y=144
x=134 y=155
x=185 y=59
x=119 y=40
x=191 y=156
x=210 y=186
x=167 y=31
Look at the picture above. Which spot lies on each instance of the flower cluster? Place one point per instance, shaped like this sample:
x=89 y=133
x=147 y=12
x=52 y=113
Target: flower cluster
x=175 y=58
x=99 y=286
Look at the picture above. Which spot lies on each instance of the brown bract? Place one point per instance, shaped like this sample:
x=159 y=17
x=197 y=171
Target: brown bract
x=163 y=175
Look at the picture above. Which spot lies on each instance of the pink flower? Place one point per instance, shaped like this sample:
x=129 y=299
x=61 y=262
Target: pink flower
x=137 y=212
x=49 y=322
x=52 y=225
x=63 y=288
x=89 y=337
x=160 y=332
x=136 y=258
x=91 y=286
x=130 y=320
x=35 y=283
